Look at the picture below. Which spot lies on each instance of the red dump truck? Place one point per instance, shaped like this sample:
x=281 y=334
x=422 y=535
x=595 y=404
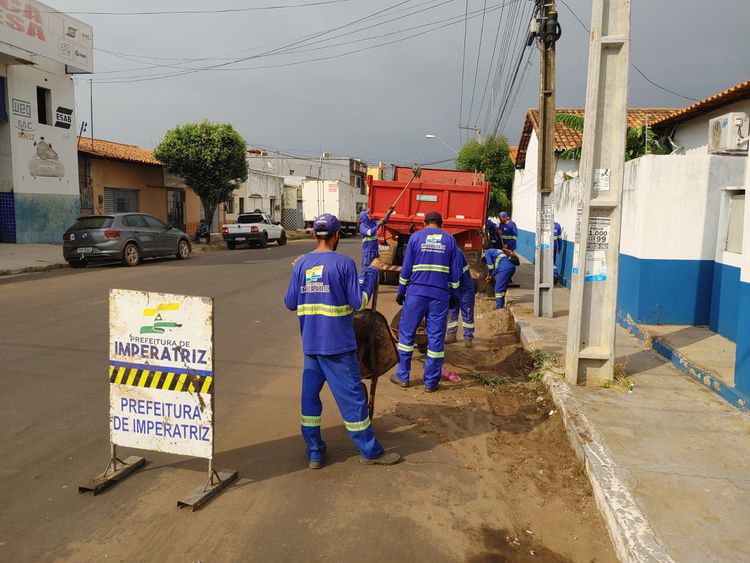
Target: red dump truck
x=460 y=197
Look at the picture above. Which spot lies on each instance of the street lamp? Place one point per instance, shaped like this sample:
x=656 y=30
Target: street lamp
x=431 y=136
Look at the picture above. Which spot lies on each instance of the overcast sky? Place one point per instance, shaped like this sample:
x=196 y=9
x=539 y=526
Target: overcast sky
x=379 y=103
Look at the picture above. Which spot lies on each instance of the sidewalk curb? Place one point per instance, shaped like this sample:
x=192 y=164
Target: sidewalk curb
x=685 y=364
x=632 y=536
x=33 y=269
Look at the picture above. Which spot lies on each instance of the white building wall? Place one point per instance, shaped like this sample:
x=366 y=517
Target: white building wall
x=692 y=135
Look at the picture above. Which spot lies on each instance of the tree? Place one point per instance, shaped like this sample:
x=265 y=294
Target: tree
x=209 y=157
x=636 y=139
x=491 y=157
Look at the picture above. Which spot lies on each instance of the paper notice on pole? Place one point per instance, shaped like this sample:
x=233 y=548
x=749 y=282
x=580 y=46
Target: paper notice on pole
x=546 y=237
x=601 y=179
x=598 y=234
x=576 y=255
x=579 y=215
x=596 y=266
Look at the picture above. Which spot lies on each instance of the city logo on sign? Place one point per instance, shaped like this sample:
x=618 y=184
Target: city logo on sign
x=434 y=239
x=71 y=32
x=314 y=274
x=158 y=325
x=21 y=107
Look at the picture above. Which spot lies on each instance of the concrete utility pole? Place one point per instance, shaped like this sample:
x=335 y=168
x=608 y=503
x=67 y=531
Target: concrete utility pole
x=548 y=32
x=590 y=353
x=477 y=131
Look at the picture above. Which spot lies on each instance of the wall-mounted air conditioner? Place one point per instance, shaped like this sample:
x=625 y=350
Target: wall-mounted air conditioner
x=728 y=134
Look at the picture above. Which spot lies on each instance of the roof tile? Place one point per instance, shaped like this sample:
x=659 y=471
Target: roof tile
x=116 y=151
x=739 y=92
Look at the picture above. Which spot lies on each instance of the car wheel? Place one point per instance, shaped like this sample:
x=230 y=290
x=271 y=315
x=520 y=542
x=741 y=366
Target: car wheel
x=77 y=263
x=183 y=250
x=231 y=245
x=282 y=239
x=264 y=240
x=131 y=256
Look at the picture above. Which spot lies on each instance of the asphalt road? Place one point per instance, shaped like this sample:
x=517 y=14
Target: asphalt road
x=54 y=436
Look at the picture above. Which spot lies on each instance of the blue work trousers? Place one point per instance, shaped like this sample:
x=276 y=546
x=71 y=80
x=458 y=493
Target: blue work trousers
x=341 y=371
x=435 y=311
x=368 y=255
x=502 y=279
x=466 y=299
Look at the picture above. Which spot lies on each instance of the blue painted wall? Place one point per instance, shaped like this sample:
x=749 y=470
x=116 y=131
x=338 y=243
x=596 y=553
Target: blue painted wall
x=725 y=295
x=43 y=218
x=525 y=244
x=742 y=358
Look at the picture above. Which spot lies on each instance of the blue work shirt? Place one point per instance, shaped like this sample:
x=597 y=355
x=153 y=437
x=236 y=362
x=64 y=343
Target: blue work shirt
x=497 y=261
x=557 y=234
x=368 y=230
x=325 y=291
x=466 y=283
x=432 y=265
x=508 y=234
x=492 y=235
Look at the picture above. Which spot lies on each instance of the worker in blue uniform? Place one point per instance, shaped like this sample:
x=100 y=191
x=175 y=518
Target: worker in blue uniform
x=557 y=235
x=508 y=232
x=466 y=304
x=493 y=237
x=428 y=285
x=368 y=230
x=325 y=291
x=501 y=270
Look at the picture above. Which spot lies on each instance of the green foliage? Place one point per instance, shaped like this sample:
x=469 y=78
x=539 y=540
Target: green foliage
x=491 y=157
x=491 y=381
x=543 y=361
x=209 y=157
x=636 y=139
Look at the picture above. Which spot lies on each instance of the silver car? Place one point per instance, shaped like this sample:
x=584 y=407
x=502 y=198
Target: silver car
x=126 y=237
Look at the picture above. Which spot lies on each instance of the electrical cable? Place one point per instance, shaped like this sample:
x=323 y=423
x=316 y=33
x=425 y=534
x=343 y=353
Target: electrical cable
x=463 y=69
x=476 y=68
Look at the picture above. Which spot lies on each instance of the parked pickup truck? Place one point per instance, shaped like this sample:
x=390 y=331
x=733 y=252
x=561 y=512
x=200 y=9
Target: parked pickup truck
x=253 y=228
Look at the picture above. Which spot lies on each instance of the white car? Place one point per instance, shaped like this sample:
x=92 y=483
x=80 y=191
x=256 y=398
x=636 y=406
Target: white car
x=253 y=228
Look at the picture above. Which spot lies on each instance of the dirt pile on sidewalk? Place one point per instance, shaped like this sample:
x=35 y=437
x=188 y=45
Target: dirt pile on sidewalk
x=503 y=425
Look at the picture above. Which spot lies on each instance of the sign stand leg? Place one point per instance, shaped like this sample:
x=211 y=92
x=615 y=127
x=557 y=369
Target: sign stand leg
x=214 y=484
x=116 y=470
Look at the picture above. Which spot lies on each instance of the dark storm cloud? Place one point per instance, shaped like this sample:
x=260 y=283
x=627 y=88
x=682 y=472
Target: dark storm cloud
x=377 y=104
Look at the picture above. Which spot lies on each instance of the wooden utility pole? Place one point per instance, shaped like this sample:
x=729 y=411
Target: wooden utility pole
x=548 y=32
x=590 y=353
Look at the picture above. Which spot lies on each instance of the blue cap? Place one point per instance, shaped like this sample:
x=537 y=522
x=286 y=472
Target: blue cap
x=326 y=224
x=504 y=215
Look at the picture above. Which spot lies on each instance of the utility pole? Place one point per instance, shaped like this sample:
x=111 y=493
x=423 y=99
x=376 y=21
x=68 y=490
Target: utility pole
x=590 y=353
x=477 y=131
x=548 y=32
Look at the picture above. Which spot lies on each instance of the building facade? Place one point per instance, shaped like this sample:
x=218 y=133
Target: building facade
x=260 y=191
x=40 y=50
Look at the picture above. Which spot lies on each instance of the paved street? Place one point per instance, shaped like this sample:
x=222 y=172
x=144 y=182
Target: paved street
x=471 y=483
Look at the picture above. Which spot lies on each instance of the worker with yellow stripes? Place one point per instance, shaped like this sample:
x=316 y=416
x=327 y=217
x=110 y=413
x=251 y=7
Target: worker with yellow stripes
x=466 y=291
x=501 y=270
x=428 y=287
x=325 y=291
x=368 y=230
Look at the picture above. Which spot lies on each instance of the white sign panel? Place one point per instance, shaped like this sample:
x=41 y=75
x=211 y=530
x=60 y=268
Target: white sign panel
x=596 y=266
x=601 y=179
x=161 y=372
x=598 y=235
x=38 y=29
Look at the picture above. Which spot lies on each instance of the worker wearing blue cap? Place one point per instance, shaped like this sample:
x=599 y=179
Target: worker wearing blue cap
x=557 y=234
x=368 y=230
x=466 y=293
x=508 y=232
x=499 y=271
x=428 y=285
x=325 y=291
x=493 y=237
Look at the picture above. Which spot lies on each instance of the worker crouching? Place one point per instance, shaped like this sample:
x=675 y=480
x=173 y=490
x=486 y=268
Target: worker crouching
x=428 y=285
x=500 y=270
x=325 y=290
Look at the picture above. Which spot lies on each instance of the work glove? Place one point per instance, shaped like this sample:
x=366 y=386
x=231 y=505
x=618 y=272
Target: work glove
x=453 y=302
x=400 y=299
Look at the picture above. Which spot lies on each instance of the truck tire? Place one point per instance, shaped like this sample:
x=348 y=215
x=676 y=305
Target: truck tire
x=263 y=240
x=282 y=239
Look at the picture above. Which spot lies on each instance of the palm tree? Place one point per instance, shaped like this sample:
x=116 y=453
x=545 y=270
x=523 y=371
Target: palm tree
x=636 y=139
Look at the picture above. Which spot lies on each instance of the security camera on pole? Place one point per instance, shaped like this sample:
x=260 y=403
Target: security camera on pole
x=547 y=32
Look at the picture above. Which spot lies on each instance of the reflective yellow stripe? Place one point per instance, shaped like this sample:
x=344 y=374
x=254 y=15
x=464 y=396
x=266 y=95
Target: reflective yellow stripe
x=466 y=269
x=365 y=301
x=430 y=268
x=404 y=347
x=468 y=325
x=403 y=281
x=325 y=310
x=311 y=421
x=431 y=354
x=368 y=239
x=498 y=295
x=497 y=260
x=357 y=426
x=453 y=325
x=455 y=285
x=509 y=237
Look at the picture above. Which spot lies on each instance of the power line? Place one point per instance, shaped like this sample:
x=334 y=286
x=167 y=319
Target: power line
x=476 y=69
x=638 y=70
x=463 y=69
x=491 y=65
x=186 y=12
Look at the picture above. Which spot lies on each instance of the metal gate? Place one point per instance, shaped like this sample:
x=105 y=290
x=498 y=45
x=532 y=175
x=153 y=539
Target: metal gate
x=118 y=200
